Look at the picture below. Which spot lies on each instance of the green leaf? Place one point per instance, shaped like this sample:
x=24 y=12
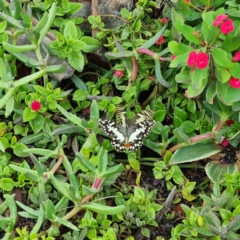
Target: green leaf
x=28 y=114
x=91 y=44
x=231 y=43
x=187 y=127
x=70 y=29
x=86 y=163
x=102 y=161
x=9 y=106
x=134 y=162
x=178 y=48
x=50 y=19
x=50 y=210
x=220 y=57
x=232 y=95
x=37 y=123
x=78 y=45
x=211 y=92
x=186 y=30
x=159 y=76
x=76 y=60
x=222 y=74
x=235 y=70
x=7 y=184
x=194 y=152
x=19 y=150
x=3 y=26
x=217 y=172
x=4 y=144
x=198 y=76
x=152 y=40
x=71 y=117
x=99 y=208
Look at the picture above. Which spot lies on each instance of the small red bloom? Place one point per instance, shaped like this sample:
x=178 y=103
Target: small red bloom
x=201 y=60
x=35 y=105
x=191 y=59
x=229 y=122
x=219 y=19
x=160 y=41
x=118 y=73
x=225 y=142
x=164 y=20
x=236 y=57
x=234 y=82
x=187 y=1
x=227 y=26
x=173 y=57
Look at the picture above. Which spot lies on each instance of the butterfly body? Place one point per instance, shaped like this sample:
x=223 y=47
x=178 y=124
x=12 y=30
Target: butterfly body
x=128 y=134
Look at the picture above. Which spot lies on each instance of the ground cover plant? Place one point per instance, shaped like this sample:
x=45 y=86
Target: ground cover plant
x=123 y=145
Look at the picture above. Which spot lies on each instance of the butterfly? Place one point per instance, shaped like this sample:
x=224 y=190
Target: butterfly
x=128 y=134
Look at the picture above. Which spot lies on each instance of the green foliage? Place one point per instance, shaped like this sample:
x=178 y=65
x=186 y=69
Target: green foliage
x=218 y=218
x=54 y=153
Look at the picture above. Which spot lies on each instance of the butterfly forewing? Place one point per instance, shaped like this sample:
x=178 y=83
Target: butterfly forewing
x=128 y=136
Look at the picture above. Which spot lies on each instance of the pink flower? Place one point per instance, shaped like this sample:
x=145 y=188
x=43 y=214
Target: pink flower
x=225 y=142
x=118 y=73
x=160 y=41
x=173 y=57
x=164 y=20
x=187 y=1
x=201 y=60
x=229 y=122
x=234 y=82
x=191 y=59
x=227 y=26
x=35 y=105
x=219 y=19
x=236 y=57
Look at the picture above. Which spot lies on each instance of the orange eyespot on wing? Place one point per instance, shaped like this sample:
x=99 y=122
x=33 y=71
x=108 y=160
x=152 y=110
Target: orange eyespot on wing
x=127 y=145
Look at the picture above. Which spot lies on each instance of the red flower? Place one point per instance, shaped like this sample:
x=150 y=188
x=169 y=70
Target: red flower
x=234 y=82
x=118 y=73
x=227 y=26
x=236 y=57
x=229 y=122
x=219 y=19
x=35 y=105
x=164 y=20
x=225 y=142
x=191 y=59
x=160 y=40
x=173 y=57
x=201 y=60
x=187 y=1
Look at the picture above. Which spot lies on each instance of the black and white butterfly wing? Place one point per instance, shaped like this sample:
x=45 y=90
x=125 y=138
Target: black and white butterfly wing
x=138 y=132
x=111 y=128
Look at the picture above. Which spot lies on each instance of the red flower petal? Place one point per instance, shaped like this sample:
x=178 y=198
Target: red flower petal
x=234 y=82
x=164 y=20
x=191 y=59
x=225 y=142
x=201 y=60
x=160 y=40
x=35 y=105
x=229 y=122
x=227 y=26
x=236 y=57
x=173 y=57
x=118 y=73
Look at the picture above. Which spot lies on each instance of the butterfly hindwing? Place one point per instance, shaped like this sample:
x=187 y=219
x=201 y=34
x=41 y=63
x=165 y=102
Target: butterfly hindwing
x=141 y=130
